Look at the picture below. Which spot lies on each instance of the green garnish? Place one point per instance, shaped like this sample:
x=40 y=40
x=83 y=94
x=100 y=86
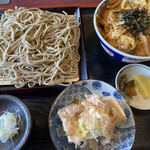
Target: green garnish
x=135 y=20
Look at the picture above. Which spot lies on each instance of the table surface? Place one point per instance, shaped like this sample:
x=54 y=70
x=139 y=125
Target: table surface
x=100 y=66
x=49 y=3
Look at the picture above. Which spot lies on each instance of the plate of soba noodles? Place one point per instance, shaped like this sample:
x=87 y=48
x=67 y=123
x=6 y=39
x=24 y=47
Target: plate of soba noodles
x=41 y=47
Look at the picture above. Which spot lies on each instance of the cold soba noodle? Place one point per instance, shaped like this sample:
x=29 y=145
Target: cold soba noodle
x=38 y=47
x=125 y=24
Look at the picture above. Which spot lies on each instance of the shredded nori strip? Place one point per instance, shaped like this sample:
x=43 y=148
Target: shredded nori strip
x=134 y=20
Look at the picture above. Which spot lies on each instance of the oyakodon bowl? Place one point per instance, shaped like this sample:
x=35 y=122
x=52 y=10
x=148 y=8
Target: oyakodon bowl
x=110 y=49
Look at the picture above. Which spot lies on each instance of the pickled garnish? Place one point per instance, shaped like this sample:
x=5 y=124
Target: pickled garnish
x=130 y=88
x=122 y=82
x=143 y=84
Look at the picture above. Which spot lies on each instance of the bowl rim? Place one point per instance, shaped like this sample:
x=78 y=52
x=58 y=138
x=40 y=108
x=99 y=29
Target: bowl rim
x=27 y=118
x=106 y=43
x=127 y=66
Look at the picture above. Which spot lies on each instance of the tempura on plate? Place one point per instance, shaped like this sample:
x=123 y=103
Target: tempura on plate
x=91 y=118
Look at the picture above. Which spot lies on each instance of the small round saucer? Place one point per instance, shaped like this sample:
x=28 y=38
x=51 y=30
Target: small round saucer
x=130 y=70
x=14 y=105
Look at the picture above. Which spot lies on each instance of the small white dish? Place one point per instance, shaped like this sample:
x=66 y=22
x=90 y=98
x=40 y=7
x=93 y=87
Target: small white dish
x=130 y=70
